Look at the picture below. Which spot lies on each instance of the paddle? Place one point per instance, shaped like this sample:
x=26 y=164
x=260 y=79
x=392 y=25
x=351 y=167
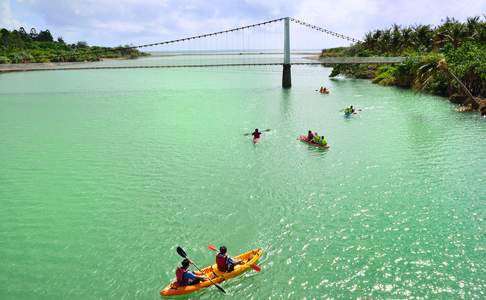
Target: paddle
x=254 y=267
x=357 y=109
x=266 y=130
x=182 y=253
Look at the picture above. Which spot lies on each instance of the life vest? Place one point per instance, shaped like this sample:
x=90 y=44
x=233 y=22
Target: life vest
x=221 y=262
x=180 y=276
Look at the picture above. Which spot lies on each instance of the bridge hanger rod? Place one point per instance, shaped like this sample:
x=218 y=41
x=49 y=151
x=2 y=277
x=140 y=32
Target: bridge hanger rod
x=325 y=30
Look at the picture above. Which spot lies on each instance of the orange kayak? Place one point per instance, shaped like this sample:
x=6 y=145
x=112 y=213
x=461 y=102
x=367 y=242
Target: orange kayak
x=249 y=258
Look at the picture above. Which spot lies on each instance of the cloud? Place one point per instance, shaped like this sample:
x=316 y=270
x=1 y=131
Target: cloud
x=111 y=22
x=6 y=18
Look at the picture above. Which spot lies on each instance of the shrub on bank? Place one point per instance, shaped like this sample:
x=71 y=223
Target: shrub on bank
x=385 y=75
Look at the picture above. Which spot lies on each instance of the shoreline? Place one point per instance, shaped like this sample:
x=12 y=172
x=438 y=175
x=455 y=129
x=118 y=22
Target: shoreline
x=370 y=72
x=25 y=67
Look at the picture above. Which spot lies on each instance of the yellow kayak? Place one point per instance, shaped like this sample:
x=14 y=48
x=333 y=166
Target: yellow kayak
x=249 y=258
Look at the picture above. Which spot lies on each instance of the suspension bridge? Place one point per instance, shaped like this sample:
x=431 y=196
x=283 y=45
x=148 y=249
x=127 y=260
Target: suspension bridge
x=171 y=59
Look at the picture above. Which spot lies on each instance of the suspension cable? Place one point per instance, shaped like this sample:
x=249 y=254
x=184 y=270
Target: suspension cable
x=242 y=28
x=341 y=36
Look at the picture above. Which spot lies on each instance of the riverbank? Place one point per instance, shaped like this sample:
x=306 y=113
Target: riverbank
x=447 y=60
x=102 y=64
x=387 y=75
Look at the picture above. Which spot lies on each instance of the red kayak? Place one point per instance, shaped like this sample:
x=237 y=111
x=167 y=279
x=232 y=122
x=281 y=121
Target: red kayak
x=303 y=138
x=256 y=140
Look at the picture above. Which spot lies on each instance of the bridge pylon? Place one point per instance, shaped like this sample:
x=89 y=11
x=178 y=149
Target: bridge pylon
x=286 y=75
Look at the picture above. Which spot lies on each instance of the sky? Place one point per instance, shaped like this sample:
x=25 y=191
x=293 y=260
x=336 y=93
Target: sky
x=120 y=22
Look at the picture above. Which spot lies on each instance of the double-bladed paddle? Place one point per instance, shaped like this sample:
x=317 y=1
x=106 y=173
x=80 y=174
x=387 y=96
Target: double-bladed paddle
x=182 y=253
x=356 y=109
x=266 y=130
x=254 y=267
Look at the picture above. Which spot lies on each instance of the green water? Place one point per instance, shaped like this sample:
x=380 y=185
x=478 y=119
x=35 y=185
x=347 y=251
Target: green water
x=104 y=173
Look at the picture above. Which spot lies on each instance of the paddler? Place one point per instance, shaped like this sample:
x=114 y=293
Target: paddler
x=323 y=141
x=350 y=110
x=225 y=262
x=256 y=134
x=310 y=136
x=186 y=277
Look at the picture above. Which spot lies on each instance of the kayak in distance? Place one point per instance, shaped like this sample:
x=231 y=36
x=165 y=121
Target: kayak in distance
x=304 y=139
x=249 y=259
x=348 y=111
x=256 y=135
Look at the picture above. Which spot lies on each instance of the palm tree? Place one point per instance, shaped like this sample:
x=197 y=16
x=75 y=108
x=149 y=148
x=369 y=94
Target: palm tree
x=396 y=39
x=431 y=68
x=452 y=31
x=406 y=37
x=423 y=37
x=384 y=41
x=369 y=41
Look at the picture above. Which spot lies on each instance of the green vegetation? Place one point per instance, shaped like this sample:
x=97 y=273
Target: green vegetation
x=18 y=46
x=448 y=60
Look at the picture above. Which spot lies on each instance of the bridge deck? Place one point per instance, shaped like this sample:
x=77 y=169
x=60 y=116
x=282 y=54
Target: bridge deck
x=93 y=66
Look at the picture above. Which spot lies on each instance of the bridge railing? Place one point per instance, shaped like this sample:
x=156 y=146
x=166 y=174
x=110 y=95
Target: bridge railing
x=361 y=60
x=175 y=61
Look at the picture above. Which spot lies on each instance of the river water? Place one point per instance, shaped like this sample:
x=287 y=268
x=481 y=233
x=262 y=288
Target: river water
x=103 y=173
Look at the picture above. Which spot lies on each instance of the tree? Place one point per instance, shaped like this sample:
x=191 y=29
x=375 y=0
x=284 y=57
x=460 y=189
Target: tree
x=44 y=36
x=422 y=37
x=82 y=44
x=33 y=33
x=430 y=69
x=452 y=31
x=396 y=39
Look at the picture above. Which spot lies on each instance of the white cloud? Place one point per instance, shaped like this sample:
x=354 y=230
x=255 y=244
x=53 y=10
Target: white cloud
x=6 y=18
x=111 y=22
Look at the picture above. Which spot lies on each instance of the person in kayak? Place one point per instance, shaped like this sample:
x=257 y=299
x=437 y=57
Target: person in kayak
x=186 y=277
x=225 y=262
x=350 y=110
x=323 y=141
x=310 y=136
x=256 y=134
x=316 y=139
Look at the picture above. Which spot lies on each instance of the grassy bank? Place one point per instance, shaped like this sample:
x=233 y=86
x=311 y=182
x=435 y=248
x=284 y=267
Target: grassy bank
x=18 y=46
